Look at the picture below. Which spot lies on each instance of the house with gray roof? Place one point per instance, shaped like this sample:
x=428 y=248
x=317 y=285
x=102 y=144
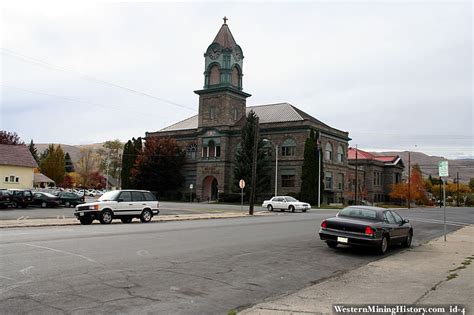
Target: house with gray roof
x=17 y=167
x=212 y=136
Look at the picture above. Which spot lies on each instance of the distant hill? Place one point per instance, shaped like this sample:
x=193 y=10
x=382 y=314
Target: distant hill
x=73 y=150
x=429 y=164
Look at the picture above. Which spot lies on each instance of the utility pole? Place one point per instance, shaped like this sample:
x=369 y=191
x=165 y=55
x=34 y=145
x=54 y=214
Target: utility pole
x=457 y=189
x=409 y=180
x=356 y=180
x=254 y=168
x=107 y=172
x=318 y=148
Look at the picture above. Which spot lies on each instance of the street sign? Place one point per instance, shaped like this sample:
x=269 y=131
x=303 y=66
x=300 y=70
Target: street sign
x=242 y=184
x=443 y=169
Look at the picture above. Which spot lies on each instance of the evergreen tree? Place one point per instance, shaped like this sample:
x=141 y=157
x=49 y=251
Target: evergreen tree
x=130 y=152
x=34 y=151
x=244 y=158
x=309 y=176
x=69 y=166
x=53 y=164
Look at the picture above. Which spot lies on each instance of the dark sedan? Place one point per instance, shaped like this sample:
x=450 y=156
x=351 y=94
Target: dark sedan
x=44 y=200
x=69 y=199
x=366 y=226
x=5 y=198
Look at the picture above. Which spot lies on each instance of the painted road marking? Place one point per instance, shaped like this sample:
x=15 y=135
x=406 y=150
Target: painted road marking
x=439 y=221
x=61 y=251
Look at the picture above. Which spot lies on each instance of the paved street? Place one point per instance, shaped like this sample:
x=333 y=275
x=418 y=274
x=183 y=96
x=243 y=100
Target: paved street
x=191 y=267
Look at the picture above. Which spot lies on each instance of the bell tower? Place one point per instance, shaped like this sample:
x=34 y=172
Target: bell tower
x=222 y=101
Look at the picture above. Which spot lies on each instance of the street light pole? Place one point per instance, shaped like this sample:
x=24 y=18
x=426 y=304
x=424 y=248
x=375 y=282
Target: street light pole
x=409 y=179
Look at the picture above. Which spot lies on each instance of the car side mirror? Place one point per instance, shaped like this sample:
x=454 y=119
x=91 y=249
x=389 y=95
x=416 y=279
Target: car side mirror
x=120 y=200
x=405 y=221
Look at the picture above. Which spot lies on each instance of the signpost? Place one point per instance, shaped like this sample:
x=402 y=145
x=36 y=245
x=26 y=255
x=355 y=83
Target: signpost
x=443 y=172
x=242 y=186
x=191 y=186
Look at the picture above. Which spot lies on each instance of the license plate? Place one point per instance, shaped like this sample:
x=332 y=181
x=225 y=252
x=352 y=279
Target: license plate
x=342 y=239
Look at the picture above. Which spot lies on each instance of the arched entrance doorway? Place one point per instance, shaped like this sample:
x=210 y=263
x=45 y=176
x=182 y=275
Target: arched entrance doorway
x=209 y=186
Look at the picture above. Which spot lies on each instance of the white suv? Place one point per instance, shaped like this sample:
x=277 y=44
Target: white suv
x=123 y=204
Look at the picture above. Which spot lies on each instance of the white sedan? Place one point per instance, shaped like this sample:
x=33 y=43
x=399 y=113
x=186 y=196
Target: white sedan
x=285 y=203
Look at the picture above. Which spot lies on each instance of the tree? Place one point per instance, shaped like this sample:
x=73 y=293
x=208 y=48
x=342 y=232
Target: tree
x=131 y=150
x=110 y=156
x=417 y=188
x=309 y=176
x=34 y=151
x=244 y=158
x=53 y=164
x=86 y=165
x=471 y=184
x=7 y=137
x=69 y=166
x=159 y=166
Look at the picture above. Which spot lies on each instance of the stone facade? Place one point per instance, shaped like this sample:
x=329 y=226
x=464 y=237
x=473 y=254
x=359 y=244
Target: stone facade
x=211 y=138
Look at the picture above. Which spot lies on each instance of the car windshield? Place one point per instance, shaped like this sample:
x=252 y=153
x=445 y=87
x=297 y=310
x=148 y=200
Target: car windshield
x=111 y=195
x=290 y=199
x=360 y=213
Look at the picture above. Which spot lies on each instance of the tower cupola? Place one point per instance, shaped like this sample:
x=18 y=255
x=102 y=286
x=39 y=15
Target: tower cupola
x=223 y=61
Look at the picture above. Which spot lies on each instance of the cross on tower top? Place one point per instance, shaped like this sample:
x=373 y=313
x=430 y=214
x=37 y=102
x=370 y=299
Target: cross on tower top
x=225 y=19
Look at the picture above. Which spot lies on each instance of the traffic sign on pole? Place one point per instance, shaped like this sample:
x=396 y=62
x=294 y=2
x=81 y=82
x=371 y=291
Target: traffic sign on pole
x=443 y=169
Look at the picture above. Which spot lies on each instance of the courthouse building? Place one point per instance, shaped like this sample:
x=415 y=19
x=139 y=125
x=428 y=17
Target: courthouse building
x=211 y=137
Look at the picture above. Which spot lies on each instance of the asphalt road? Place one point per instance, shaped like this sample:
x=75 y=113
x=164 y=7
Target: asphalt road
x=188 y=267
x=166 y=208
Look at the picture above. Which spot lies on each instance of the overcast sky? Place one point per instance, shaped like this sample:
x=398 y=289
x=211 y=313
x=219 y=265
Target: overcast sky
x=397 y=75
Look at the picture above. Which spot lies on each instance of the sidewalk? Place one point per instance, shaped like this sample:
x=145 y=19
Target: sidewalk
x=434 y=273
x=26 y=222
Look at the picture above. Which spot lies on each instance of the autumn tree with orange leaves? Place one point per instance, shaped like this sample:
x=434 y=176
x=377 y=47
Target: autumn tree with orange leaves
x=159 y=167
x=417 y=188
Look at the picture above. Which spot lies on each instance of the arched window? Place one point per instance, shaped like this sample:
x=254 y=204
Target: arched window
x=211 y=148
x=340 y=154
x=235 y=77
x=328 y=152
x=288 y=148
x=214 y=75
x=191 y=151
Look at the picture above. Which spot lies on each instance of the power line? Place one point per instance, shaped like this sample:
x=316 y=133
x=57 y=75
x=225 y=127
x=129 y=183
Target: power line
x=76 y=100
x=51 y=66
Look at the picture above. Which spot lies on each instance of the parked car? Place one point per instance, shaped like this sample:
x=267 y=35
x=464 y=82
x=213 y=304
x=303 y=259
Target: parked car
x=5 y=198
x=285 y=203
x=366 y=226
x=69 y=199
x=20 y=197
x=122 y=204
x=45 y=199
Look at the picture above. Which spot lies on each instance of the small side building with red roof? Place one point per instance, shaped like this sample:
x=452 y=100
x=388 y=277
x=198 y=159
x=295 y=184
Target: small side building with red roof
x=375 y=175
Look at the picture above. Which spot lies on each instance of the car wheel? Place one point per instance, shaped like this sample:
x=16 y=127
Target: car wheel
x=44 y=204
x=14 y=204
x=407 y=242
x=383 y=245
x=146 y=216
x=291 y=208
x=86 y=221
x=331 y=244
x=270 y=208
x=106 y=217
x=126 y=220
x=67 y=204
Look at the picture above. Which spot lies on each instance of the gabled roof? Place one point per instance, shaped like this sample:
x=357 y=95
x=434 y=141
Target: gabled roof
x=16 y=155
x=41 y=178
x=224 y=37
x=271 y=113
x=364 y=155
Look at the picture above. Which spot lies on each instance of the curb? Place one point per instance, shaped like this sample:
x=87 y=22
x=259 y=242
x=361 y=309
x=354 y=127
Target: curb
x=23 y=223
